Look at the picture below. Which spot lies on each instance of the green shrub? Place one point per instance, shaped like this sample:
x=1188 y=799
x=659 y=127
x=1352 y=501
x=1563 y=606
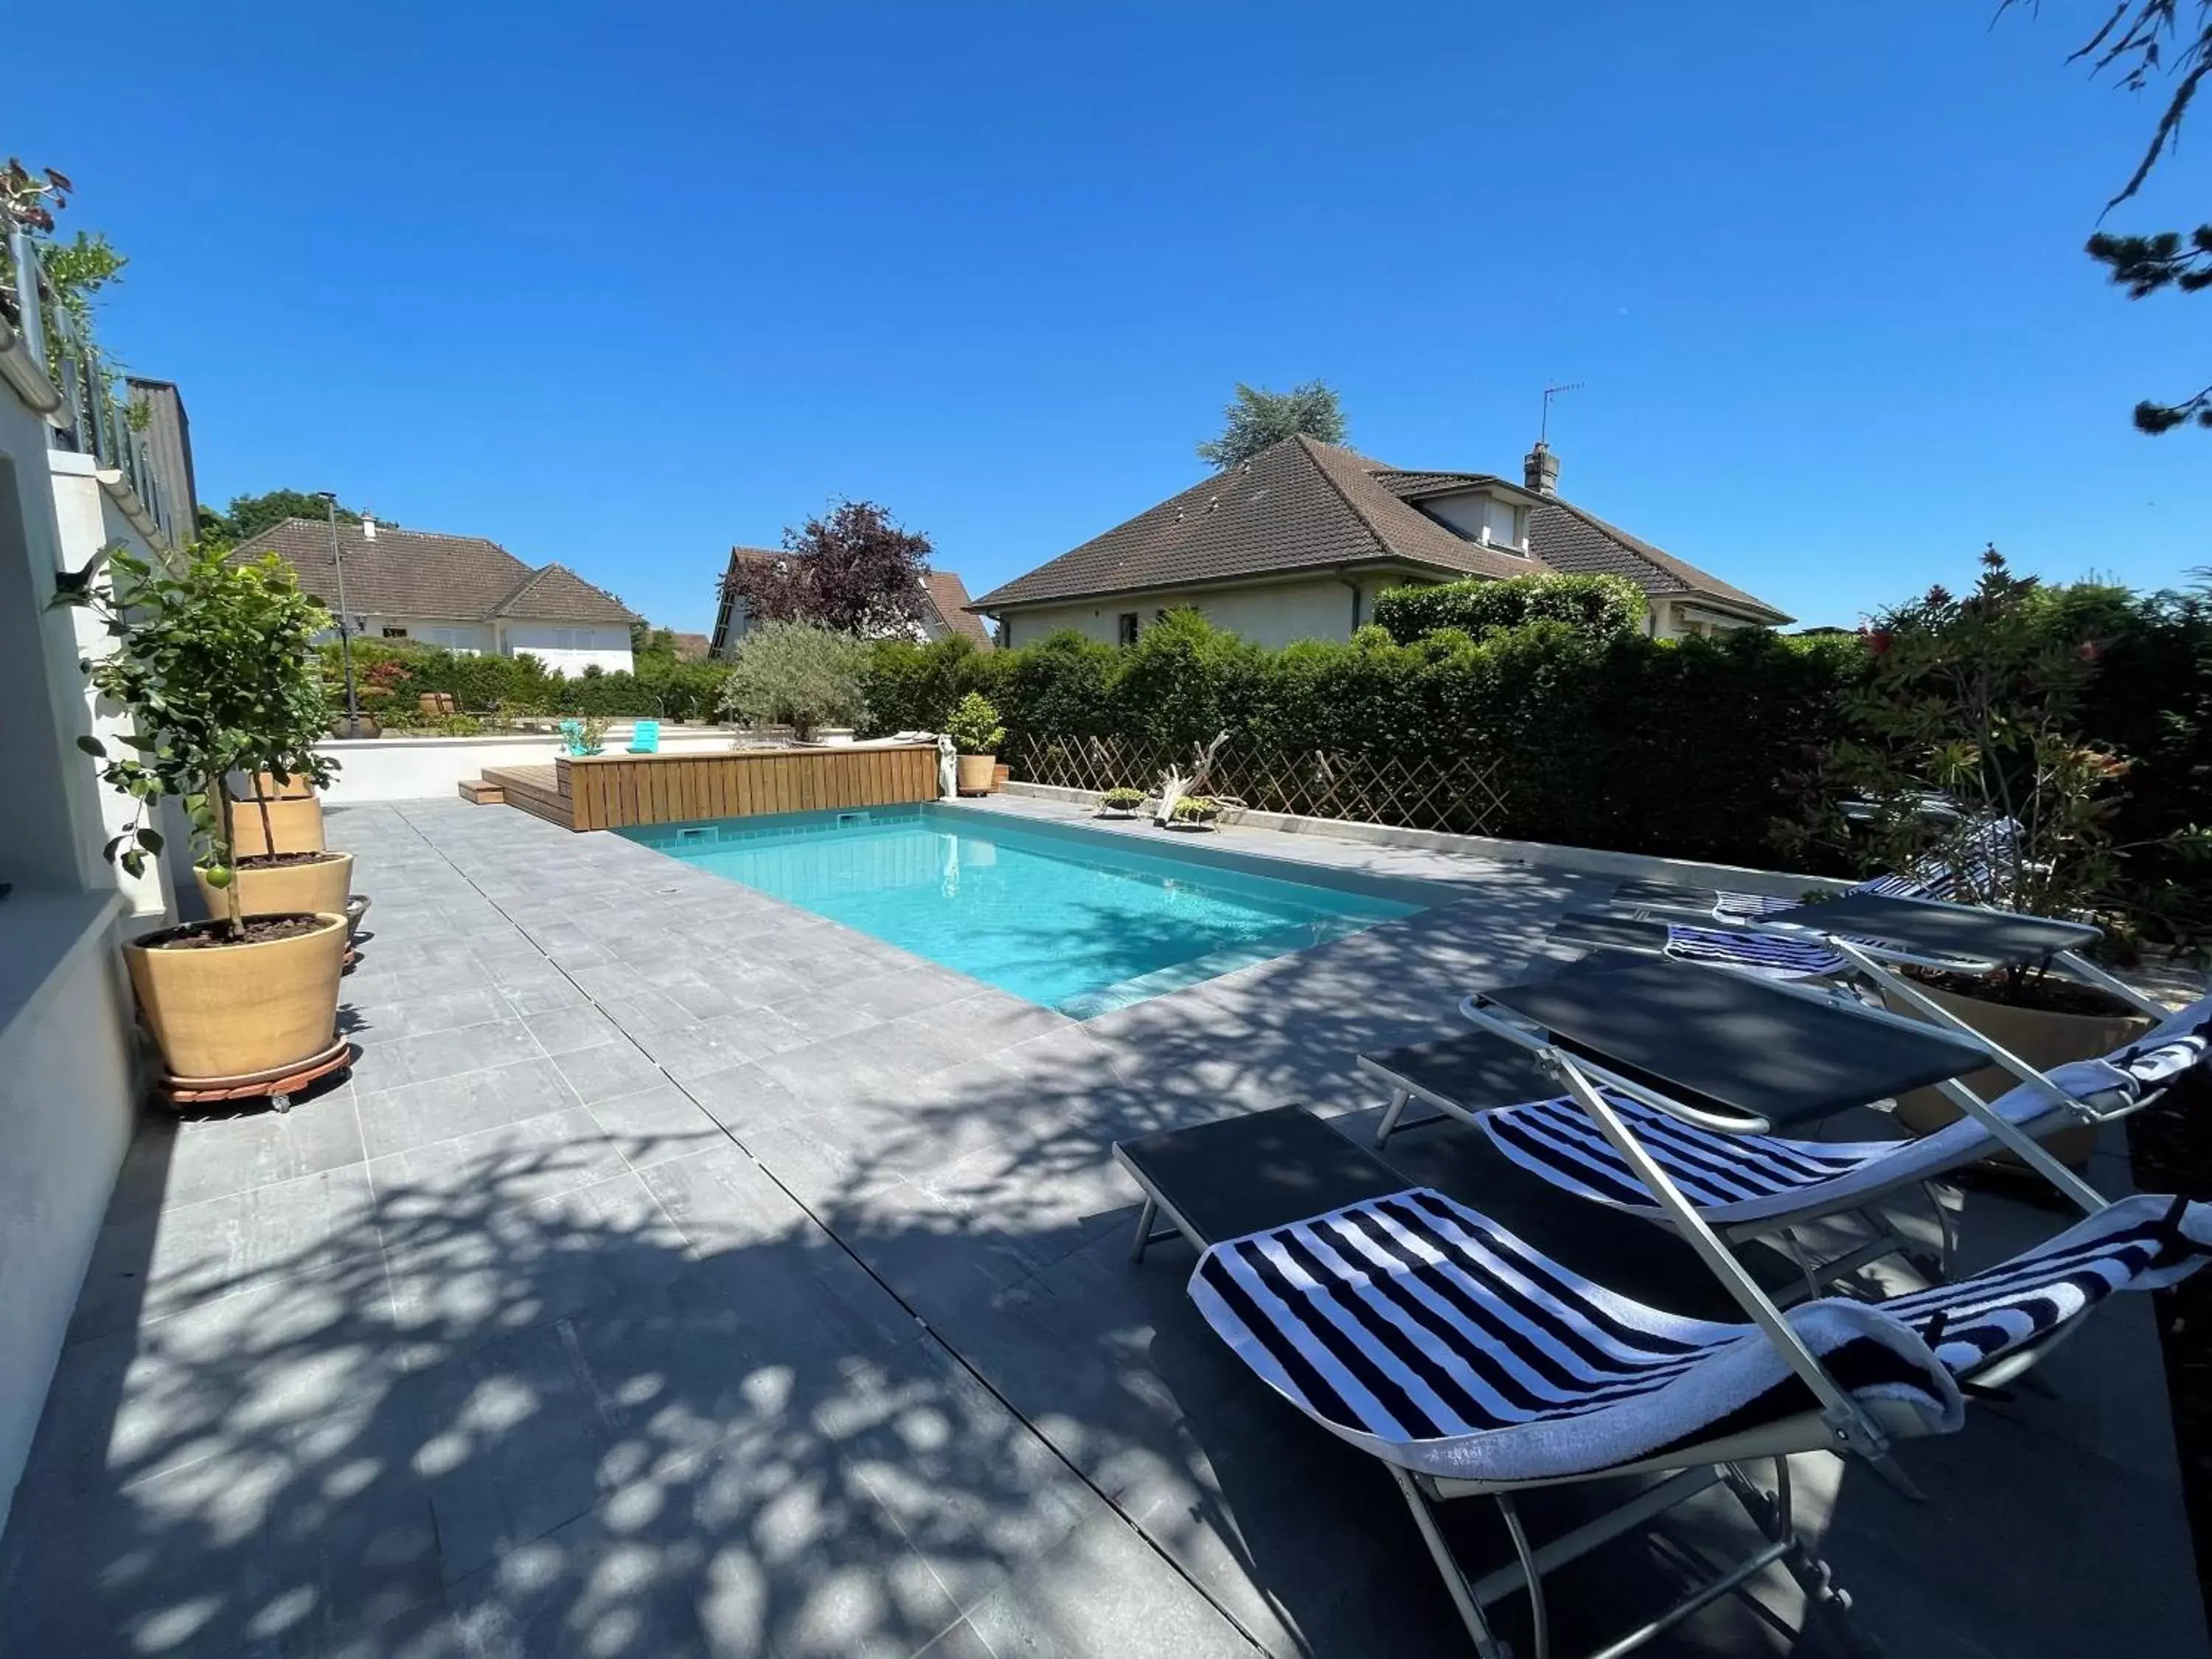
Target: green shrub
x=973 y=726
x=1597 y=607
x=915 y=688
x=799 y=675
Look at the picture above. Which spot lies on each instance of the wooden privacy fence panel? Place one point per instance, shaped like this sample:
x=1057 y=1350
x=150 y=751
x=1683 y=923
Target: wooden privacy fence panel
x=1464 y=795
x=614 y=792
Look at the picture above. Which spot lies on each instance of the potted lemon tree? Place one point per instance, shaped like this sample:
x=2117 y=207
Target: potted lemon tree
x=973 y=727
x=215 y=663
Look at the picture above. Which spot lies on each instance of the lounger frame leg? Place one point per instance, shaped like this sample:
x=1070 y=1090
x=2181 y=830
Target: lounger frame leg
x=1854 y=1430
x=2013 y=1138
x=1389 y=1126
x=1144 y=1227
x=1463 y=1593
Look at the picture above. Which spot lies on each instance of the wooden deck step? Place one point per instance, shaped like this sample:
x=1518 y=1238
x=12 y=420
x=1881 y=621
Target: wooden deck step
x=482 y=793
x=536 y=790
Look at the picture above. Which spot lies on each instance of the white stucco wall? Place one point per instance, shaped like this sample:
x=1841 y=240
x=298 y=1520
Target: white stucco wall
x=1470 y=513
x=67 y=1094
x=608 y=647
x=67 y=1110
x=88 y=520
x=449 y=632
x=1273 y=614
x=423 y=768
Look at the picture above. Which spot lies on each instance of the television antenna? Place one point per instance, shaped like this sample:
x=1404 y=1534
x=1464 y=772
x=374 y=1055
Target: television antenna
x=1544 y=425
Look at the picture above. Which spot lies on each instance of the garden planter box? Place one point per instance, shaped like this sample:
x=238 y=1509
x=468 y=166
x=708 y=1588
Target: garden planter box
x=2041 y=1038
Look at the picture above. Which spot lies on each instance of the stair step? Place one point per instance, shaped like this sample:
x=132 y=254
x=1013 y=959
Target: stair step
x=483 y=794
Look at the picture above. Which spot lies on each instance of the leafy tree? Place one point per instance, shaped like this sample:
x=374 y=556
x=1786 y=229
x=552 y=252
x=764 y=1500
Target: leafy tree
x=1257 y=419
x=216 y=666
x=1977 y=701
x=799 y=675
x=647 y=640
x=249 y=515
x=2135 y=41
x=857 y=571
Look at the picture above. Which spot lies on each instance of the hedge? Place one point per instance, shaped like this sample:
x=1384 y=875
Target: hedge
x=1598 y=736
x=389 y=679
x=1680 y=747
x=1597 y=607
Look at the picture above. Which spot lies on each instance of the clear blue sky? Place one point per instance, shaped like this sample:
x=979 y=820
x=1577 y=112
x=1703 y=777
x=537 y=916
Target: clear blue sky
x=618 y=285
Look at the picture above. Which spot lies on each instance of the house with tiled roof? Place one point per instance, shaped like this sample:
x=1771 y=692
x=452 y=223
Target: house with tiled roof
x=944 y=607
x=461 y=592
x=1296 y=542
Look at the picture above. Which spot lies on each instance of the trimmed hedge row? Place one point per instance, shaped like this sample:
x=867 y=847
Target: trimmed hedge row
x=1599 y=737
x=1597 y=607
x=1680 y=747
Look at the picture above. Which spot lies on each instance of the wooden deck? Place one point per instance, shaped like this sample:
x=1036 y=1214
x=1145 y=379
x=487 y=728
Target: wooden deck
x=615 y=791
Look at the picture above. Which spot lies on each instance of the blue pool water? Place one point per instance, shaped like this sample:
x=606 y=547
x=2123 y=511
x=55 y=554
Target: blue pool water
x=1076 y=921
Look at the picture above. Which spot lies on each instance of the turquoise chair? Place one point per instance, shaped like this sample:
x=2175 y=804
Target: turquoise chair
x=644 y=737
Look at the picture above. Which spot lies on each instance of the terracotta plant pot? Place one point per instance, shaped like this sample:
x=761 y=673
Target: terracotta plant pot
x=295 y=818
x=2042 y=1038
x=999 y=775
x=975 y=774
x=317 y=889
x=232 y=1010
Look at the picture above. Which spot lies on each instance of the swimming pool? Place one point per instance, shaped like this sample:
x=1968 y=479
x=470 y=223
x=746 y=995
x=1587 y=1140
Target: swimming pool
x=1074 y=920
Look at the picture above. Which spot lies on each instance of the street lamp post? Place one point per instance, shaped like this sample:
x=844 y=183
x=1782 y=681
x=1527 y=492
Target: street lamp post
x=345 y=626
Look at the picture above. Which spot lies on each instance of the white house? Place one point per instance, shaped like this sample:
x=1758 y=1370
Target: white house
x=459 y=592
x=1296 y=544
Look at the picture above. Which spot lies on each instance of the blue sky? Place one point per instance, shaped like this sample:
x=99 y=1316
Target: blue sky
x=618 y=285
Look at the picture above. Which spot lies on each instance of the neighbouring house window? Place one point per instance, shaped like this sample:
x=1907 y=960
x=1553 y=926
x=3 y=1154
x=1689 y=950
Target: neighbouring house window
x=395 y=632
x=572 y=638
x=1125 y=628
x=453 y=639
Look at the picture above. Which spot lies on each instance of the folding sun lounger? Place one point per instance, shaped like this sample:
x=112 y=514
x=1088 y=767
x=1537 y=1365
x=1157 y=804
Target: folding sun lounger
x=1471 y=1364
x=1752 y=1187
x=644 y=737
x=1969 y=869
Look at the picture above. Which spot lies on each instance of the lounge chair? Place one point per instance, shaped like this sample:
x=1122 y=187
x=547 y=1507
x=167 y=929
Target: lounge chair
x=644 y=737
x=1470 y=1363
x=1750 y=1187
x=1972 y=868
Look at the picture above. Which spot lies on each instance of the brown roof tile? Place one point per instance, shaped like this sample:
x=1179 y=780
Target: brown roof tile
x=1302 y=504
x=947 y=596
x=1297 y=505
x=419 y=573
x=557 y=594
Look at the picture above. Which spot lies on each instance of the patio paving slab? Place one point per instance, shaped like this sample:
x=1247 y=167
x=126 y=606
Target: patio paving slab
x=681 y=1273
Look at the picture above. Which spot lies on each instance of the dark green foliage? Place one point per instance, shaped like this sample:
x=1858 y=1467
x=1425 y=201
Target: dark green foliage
x=1256 y=419
x=1596 y=735
x=249 y=515
x=391 y=677
x=1597 y=607
x=914 y=688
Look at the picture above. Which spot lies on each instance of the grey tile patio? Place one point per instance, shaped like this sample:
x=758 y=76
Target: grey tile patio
x=679 y=1274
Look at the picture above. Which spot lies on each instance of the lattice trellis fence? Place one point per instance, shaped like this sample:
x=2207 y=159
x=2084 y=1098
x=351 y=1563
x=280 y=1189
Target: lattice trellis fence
x=1465 y=796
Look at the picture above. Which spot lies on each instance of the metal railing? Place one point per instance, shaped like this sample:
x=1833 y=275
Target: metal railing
x=1463 y=795
x=93 y=420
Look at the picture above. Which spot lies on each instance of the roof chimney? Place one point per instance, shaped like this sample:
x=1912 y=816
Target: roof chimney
x=368 y=525
x=1539 y=469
